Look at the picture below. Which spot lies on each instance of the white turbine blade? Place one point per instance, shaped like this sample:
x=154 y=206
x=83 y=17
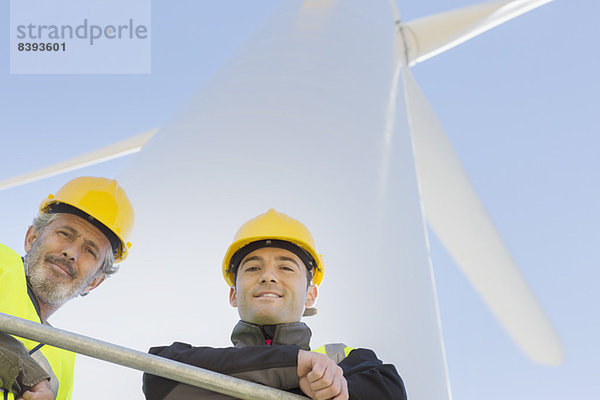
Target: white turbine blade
x=459 y=219
x=432 y=35
x=107 y=153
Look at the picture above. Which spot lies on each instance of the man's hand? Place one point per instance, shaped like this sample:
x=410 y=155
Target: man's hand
x=320 y=377
x=41 y=391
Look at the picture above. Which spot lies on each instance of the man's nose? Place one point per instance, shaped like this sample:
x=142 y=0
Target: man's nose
x=71 y=251
x=268 y=275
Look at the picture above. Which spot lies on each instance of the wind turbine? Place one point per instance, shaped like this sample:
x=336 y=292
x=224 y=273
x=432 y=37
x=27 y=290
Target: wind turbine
x=320 y=117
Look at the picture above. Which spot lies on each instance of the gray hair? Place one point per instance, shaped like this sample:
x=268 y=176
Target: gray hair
x=108 y=266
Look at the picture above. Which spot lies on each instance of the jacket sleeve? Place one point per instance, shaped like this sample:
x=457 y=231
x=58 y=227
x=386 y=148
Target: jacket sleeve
x=274 y=366
x=370 y=379
x=18 y=370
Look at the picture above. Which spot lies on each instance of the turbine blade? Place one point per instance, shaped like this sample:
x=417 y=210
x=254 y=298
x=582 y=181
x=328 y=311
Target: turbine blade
x=429 y=36
x=107 y=153
x=459 y=219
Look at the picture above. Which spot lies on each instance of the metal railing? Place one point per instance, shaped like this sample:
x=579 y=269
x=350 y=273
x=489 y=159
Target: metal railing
x=141 y=361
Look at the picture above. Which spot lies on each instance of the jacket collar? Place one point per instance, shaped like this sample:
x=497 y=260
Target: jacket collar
x=247 y=334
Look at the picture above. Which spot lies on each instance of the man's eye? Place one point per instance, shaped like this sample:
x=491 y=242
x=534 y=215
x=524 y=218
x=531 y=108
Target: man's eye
x=287 y=268
x=92 y=252
x=251 y=268
x=65 y=234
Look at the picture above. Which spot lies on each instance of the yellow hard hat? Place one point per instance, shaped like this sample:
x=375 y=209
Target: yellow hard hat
x=101 y=199
x=273 y=229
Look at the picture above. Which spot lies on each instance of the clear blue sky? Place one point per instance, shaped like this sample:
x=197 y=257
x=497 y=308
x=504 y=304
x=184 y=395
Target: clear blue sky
x=518 y=104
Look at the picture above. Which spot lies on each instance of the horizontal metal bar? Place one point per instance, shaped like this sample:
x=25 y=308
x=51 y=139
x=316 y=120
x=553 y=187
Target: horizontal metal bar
x=138 y=360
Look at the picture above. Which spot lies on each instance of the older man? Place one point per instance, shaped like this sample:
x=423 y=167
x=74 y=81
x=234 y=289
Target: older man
x=273 y=271
x=72 y=246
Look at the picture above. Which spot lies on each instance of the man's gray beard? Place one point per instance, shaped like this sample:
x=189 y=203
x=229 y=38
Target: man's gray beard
x=46 y=290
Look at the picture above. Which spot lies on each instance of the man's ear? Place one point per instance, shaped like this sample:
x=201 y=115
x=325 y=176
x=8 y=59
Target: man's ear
x=93 y=284
x=30 y=237
x=232 y=297
x=311 y=296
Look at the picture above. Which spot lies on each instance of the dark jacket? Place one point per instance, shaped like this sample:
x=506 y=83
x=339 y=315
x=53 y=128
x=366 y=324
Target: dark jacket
x=269 y=355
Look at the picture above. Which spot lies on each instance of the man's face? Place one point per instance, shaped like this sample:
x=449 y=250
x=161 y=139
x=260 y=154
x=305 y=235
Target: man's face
x=271 y=287
x=64 y=258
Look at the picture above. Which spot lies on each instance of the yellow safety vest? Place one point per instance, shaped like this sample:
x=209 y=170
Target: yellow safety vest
x=335 y=351
x=14 y=300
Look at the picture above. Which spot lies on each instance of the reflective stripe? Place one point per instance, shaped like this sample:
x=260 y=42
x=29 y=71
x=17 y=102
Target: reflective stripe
x=43 y=362
x=335 y=351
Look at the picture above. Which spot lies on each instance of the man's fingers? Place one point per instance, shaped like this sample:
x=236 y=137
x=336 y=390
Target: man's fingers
x=320 y=377
x=31 y=396
x=37 y=393
x=40 y=391
x=344 y=395
x=329 y=393
x=305 y=387
x=307 y=361
x=325 y=378
x=318 y=370
x=338 y=390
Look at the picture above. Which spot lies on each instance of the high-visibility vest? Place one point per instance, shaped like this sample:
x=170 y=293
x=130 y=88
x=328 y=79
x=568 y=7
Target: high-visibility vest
x=335 y=351
x=14 y=300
